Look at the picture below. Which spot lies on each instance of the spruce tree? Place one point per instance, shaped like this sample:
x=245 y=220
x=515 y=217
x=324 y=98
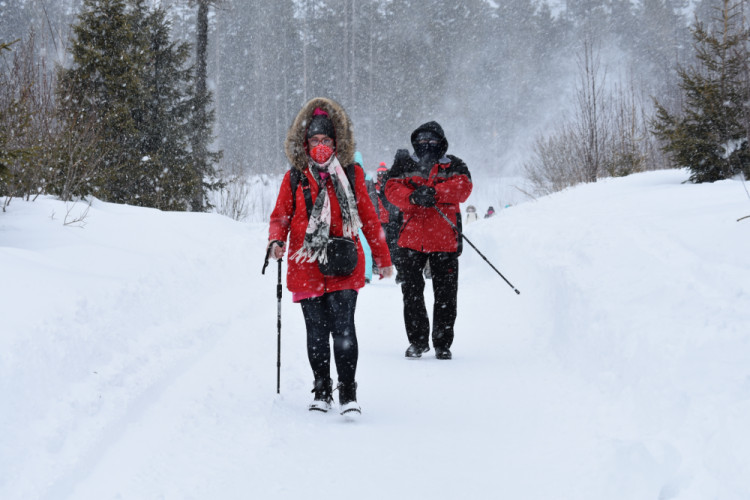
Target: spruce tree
x=15 y=124
x=201 y=131
x=6 y=154
x=202 y=115
x=133 y=80
x=710 y=137
x=101 y=86
x=171 y=176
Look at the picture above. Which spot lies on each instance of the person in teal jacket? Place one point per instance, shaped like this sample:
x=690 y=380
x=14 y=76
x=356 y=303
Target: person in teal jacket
x=365 y=246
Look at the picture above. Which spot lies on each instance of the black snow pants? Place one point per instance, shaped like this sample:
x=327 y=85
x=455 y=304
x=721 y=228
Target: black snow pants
x=332 y=315
x=392 y=230
x=444 y=266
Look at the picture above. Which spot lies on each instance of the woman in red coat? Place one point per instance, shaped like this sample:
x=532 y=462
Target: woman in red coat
x=326 y=205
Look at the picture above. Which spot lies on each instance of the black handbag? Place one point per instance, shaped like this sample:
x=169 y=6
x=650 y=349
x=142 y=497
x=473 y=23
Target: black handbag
x=342 y=257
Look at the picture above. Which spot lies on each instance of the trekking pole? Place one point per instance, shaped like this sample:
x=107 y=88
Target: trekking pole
x=461 y=235
x=278 y=320
x=278 y=329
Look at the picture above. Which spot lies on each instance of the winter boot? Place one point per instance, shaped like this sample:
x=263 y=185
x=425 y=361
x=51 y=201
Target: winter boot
x=443 y=353
x=323 y=395
x=416 y=350
x=348 y=399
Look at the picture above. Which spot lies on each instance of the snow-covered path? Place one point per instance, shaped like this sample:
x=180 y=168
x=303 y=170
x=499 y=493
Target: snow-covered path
x=428 y=427
x=138 y=359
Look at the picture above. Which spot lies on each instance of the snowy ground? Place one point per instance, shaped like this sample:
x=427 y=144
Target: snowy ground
x=138 y=359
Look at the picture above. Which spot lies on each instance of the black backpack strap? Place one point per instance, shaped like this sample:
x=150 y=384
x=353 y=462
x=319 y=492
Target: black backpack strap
x=308 y=196
x=296 y=177
x=351 y=175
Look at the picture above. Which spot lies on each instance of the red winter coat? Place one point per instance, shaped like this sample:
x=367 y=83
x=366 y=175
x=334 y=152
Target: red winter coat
x=305 y=277
x=424 y=229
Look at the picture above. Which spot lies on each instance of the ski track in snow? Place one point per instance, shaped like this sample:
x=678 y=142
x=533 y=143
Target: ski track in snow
x=620 y=372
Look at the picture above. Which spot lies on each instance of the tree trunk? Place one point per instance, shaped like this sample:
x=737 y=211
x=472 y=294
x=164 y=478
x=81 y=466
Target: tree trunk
x=200 y=146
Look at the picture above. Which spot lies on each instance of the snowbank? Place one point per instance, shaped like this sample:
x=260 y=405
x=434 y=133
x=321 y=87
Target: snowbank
x=138 y=358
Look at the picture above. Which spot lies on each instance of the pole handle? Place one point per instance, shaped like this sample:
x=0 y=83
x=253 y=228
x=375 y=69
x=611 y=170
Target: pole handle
x=268 y=254
x=265 y=261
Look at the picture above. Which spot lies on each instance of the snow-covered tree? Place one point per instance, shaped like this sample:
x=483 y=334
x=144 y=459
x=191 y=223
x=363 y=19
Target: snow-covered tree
x=709 y=136
x=129 y=76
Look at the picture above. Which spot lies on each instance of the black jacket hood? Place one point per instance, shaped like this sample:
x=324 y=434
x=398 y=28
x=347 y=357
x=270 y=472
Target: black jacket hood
x=436 y=129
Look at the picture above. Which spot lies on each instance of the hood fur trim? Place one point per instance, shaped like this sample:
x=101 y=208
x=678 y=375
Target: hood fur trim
x=295 y=138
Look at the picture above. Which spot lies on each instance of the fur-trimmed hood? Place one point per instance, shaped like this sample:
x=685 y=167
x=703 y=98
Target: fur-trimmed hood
x=296 y=137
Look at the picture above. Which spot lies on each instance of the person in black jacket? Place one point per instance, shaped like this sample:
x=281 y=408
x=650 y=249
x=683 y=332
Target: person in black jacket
x=428 y=188
x=390 y=217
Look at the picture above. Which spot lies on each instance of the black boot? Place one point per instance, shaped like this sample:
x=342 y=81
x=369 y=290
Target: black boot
x=348 y=399
x=416 y=350
x=323 y=390
x=443 y=353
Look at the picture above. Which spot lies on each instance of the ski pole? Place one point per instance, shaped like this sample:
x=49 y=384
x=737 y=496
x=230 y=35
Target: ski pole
x=278 y=328
x=278 y=319
x=461 y=235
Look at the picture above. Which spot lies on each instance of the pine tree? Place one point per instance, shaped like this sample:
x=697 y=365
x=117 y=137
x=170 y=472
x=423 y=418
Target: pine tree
x=172 y=175
x=101 y=86
x=6 y=153
x=710 y=137
x=202 y=116
x=15 y=126
x=132 y=80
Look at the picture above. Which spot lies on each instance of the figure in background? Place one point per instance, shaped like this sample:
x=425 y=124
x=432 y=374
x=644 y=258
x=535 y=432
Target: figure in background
x=490 y=213
x=390 y=217
x=471 y=214
x=369 y=264
x=428 y=187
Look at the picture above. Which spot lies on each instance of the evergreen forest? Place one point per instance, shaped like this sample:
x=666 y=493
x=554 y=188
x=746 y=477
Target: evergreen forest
x=162 y=103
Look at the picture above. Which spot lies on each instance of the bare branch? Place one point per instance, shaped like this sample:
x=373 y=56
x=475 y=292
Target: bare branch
x=76 y=220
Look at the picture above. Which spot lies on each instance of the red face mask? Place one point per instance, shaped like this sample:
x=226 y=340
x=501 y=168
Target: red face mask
x=321 y=153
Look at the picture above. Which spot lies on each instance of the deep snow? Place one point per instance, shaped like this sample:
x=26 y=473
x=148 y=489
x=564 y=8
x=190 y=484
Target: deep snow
x=138 y=359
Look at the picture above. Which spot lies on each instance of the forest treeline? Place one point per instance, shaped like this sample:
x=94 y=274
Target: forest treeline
x=561 y=92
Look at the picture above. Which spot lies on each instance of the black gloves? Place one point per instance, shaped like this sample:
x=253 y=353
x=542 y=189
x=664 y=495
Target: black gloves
x=424 y=196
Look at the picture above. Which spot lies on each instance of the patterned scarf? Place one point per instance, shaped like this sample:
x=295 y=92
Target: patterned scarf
x=319 y=225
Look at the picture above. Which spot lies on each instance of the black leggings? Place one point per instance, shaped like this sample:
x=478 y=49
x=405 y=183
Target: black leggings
x=332 y=314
